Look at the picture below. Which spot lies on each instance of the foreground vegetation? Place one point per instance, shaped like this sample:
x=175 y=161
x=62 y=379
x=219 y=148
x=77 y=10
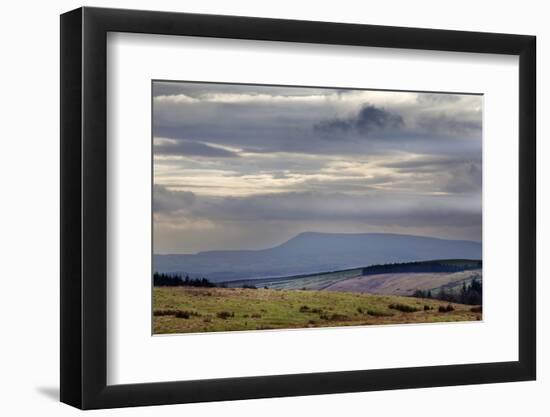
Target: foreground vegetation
x=189 y=309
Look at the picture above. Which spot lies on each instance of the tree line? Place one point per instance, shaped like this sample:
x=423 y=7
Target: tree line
x=422 y=266
x=176 y=280
x=471 y=294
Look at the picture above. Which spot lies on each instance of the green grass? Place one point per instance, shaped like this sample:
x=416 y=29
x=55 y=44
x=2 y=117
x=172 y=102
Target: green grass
x=192 y=310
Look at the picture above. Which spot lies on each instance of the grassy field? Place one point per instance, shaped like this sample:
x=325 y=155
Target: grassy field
x=192 y=310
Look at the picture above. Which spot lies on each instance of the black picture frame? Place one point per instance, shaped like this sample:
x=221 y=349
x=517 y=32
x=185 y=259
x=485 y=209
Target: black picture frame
x=84 y=207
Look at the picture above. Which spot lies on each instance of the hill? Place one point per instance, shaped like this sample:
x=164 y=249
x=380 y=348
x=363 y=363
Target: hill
x=312 y=252
x=409 y=276
x=407 y=284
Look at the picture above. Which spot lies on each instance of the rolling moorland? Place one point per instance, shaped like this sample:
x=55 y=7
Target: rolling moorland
x=395 y=279
x=378 y=294
x=194 y=310
x=319 y=280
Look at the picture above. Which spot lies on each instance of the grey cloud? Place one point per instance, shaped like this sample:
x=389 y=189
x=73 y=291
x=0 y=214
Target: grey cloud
x=434 y=163
x=194 y=90
x=258 y=163
x=450 y=125
x=190 y=148
x=311 y=127
x=202 y=90
x=429 y=163
x=434 y=98
x=324 y=160
x=453 y=174
x=165 y=201
x=313 y=206
x=467 y=178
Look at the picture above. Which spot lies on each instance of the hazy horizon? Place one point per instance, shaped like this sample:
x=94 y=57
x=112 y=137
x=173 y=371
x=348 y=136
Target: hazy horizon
x=251 y=167
x=310 y=232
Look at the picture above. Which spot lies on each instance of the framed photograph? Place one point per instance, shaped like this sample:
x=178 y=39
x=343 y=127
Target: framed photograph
x=257 y=208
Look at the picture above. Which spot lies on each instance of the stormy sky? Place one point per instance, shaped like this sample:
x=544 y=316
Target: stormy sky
x=249 y=167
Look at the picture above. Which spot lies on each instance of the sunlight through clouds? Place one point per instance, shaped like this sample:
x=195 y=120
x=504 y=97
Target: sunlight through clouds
x=277 y=161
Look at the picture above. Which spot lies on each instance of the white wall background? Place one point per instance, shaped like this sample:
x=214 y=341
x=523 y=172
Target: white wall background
x=29 y=236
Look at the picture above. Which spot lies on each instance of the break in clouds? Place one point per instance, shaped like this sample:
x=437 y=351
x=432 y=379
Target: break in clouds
x=249 y=167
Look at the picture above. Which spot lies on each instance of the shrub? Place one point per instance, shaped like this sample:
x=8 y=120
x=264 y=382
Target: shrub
x=338 y=317
x=378 y=313
x=307 y=309
x=447 y=309
x=182 y=314
x=224 y=315
x=256 y=316
x=164 y=312
x=476 y=309
x=403 y=308
x=359 y=310
x=427 y=307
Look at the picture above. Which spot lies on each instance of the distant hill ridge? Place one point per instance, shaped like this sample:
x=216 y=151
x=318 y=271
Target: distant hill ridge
x=313 y=252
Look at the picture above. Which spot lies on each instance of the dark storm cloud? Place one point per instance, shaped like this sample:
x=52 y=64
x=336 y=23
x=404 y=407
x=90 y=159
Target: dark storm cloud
x=371 y=117
x=368 y=118
x=189 y=148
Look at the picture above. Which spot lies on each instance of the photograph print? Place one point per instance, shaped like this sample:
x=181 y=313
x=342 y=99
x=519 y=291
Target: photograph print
x=290 y=207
